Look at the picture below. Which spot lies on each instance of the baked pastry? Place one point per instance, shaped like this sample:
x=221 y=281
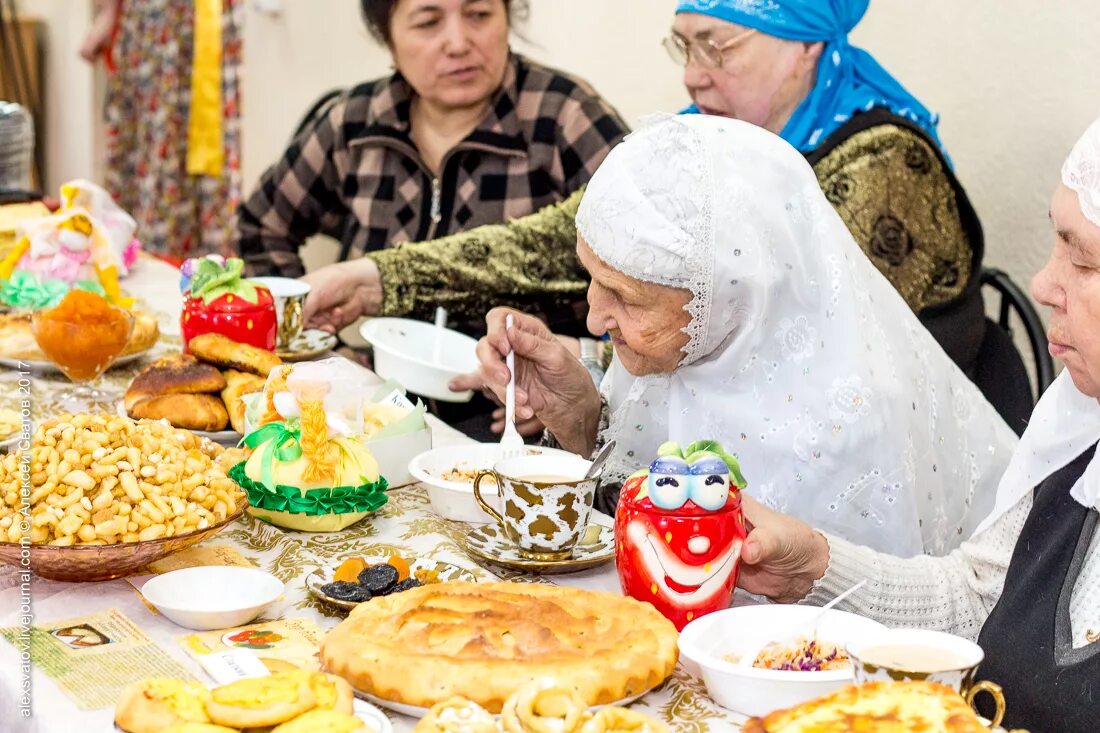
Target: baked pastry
x=457 y=715
x=543 y=708
x=198 y=728
x=876 y=707
x=187 y=411
x=259 y=701
x=332 y=692
x=323 y=721
x=17 y=339
x=611 y=719
x=485 y=641
x=228 y=354
x=237 y=385
x=173 y=374
x=153 y=704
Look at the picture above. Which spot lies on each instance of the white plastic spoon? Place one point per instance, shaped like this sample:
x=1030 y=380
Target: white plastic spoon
x=748 y=659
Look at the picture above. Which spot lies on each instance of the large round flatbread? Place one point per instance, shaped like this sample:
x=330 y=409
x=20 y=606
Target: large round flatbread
x=17 y=338
x=484 y=641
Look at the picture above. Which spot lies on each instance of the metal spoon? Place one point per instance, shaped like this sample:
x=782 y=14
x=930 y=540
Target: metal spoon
x=600 y=458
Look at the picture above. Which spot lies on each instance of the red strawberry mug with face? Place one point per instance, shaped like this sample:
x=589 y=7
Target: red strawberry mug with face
x=679 y=531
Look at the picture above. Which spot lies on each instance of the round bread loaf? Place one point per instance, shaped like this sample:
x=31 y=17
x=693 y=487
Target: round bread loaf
x=484 y=641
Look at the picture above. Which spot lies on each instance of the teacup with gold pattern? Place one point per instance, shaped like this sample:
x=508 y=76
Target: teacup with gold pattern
x=916 y=654
x=545 y=502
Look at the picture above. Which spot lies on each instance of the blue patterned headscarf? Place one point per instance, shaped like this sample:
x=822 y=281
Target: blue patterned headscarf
x=849 y=80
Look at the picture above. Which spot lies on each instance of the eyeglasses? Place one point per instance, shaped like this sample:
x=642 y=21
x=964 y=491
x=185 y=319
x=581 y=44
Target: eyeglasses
x=707 y=53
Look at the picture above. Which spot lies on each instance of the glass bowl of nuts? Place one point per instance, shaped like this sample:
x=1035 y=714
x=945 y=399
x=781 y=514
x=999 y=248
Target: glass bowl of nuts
x=108 y=495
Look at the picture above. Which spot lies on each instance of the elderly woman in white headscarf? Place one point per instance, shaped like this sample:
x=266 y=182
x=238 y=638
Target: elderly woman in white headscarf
x=742 y=311
x=1027 y=585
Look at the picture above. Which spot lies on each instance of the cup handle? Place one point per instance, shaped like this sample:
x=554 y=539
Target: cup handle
x=481 y=502
x=998 y=699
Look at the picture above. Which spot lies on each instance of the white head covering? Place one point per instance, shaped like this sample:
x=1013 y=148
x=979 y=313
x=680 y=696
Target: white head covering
x=1066 y=422
x=801 y=359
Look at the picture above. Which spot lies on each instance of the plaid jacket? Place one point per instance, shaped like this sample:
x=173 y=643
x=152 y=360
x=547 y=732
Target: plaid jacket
x=543 y=138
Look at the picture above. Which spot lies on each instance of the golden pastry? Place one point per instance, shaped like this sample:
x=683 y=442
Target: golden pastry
x=543 y=708
x=876 y=707
x=621 y=720
x=226 y=353
x=485 y=641
x=323 y=721
x=198 y=728
x=151 y=705
x=187 y=411
x=259 y=701
x=332 y=692
x=173 y=374
x=457 y=715
x=237 y=385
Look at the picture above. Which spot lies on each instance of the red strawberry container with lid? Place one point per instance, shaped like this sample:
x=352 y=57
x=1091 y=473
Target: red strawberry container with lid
x=218 y=300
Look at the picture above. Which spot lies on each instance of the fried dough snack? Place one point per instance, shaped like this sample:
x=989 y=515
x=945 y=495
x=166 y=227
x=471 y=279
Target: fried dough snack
x=228 y=354
x=457 y=715
x=543 y=708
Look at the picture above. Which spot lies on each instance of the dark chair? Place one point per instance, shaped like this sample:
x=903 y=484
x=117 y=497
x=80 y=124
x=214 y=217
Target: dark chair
x=341 y=232
x=1000 y=371
x=319 y=107
x=1013 y=299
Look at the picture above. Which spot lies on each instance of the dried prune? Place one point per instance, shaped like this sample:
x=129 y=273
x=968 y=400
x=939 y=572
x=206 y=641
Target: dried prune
x=378 y=579
x=342 y=590
x=405 y=584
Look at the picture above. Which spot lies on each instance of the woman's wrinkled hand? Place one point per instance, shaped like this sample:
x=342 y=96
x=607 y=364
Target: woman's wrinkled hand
x=782 y=557
x=526 y=428
x=341 y=293
x=551 y=385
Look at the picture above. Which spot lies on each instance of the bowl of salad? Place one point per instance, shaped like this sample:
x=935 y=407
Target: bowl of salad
x=756 y=659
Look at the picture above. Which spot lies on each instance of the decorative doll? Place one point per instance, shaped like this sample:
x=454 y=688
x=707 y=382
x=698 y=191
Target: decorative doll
x=679 y=530
x=87 y=245
x=218 y=299
x=309 y=469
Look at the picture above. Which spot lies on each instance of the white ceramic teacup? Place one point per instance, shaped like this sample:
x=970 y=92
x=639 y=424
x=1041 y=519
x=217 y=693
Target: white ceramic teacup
x=945 y=658
x=290 y=299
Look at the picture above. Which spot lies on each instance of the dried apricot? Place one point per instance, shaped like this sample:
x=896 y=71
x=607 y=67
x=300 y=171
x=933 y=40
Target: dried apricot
x=349 y=570
x=402 y=566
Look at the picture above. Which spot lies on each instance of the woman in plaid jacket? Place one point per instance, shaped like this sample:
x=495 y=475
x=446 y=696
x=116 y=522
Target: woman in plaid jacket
x=463 y=134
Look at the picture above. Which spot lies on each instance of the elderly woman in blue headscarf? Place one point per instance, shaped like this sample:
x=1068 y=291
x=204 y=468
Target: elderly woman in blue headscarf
x=787 y=66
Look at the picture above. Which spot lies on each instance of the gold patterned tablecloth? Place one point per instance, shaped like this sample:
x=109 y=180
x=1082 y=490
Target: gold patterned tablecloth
x=405 y=525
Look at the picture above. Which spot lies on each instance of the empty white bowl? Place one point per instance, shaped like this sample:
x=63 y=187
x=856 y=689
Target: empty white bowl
x=213 y=597
x=455 y=499
x=737 y=631
x=406 y=351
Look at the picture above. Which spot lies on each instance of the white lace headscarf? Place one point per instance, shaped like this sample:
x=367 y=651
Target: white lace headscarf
x=801 y=358
x=1066 y=421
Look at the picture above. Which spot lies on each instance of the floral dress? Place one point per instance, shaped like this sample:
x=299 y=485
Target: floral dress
x=148 y=109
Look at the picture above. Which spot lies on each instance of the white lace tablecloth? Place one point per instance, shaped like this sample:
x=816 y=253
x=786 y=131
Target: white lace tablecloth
x=405 y=525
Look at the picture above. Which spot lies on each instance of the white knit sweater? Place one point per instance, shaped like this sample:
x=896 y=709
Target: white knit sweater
x=954 y=593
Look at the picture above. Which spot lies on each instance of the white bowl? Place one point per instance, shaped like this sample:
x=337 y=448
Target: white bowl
x=752 y=691
x=212 y=597
x=405 y=351
x=455 y=499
